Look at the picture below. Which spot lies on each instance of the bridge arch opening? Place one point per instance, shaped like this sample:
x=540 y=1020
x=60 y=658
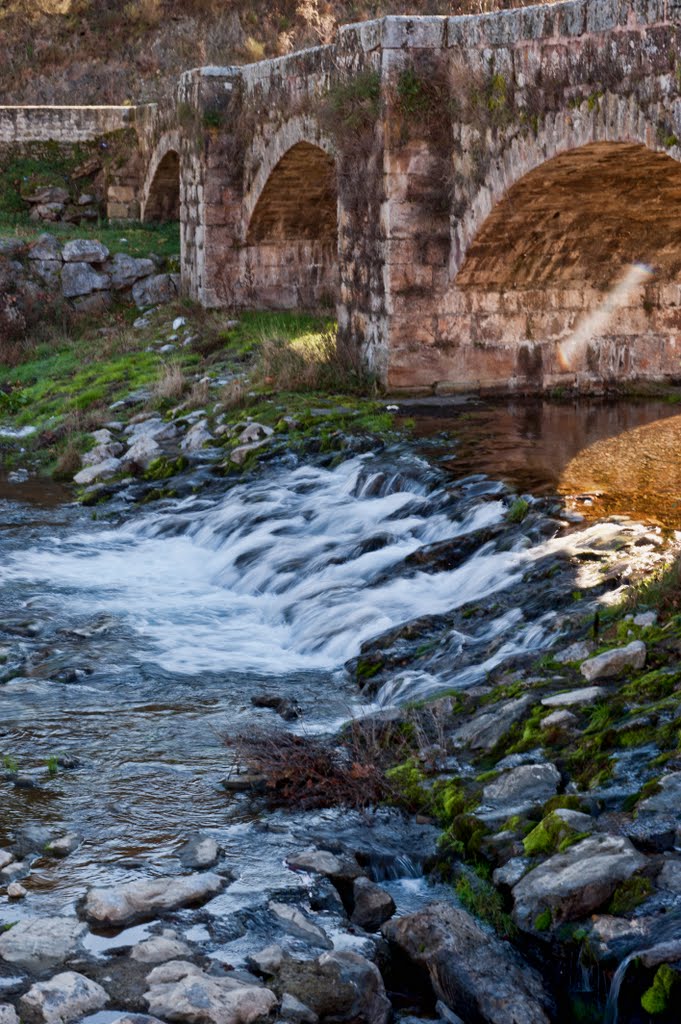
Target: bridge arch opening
x=291 y=251
x=163 y=198
x=544 y=268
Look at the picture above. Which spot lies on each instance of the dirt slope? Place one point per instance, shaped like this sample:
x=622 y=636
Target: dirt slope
x=113 y=51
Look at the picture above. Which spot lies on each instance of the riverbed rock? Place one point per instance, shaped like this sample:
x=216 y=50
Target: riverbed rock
x=144 y=899
x=84 y=250
x=612 y=663
x=667 y=801
x=475 y=974
x=574 y=698
x=196 y=438
x=31 y=839
x=520 y=789
x=373 y=906
x=5 y=858
x=8 y=1015
x=559 y=720
x=485 y=730
x=295 y=922
x=577 y=651
x=63 y=846
x=254 y=432
x=185 y=993
x=239 y=454
x=295 y=1012
x=142 y=452
x=155 y=290
x=80 y=279
x=16 y=891
x=64 y=998
x=669 y=877
x=159 y=949
x=41 y=943
x=102 y=471
x=200 y=851
x=651 y=833
x=338 y=986
x=572 y=884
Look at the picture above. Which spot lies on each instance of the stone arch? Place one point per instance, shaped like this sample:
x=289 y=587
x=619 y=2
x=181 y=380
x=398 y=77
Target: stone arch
x=615 y=119
x=161 y=190
x=290 y=221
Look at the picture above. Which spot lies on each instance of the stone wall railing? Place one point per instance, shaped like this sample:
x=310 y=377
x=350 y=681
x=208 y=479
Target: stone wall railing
x=62 y=124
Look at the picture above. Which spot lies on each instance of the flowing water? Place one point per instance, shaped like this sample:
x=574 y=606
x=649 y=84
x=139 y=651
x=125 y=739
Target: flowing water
x=131 y=644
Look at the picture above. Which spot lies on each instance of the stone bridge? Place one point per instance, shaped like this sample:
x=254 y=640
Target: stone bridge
x=468 y=193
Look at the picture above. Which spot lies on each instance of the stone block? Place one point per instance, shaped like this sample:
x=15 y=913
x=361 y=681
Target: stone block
x=603 y=15
x=502 y=28
x=571 y=18
x=400 y=32
x=121 y=193
x=463 y=31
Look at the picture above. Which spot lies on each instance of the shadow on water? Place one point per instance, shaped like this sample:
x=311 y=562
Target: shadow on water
x=622 y=456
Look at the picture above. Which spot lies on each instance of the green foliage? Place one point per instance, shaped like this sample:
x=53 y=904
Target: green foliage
x=163 y=467
x=10 y=764
x=52 y=765
x=657 y=998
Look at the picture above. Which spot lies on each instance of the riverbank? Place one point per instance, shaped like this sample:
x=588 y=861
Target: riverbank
x=251 y=529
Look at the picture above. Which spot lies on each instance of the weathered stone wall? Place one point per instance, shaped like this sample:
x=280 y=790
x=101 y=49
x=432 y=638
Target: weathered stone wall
x=62 y=124
x=533 y=246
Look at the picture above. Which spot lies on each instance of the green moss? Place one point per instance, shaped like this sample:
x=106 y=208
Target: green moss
x=566 y=801
x=163 y=467
x=628 y=895
x=484 y=901
x=552 y=834
x=449 y=800
x=518 y=510
x=542 y=921
x=658 y=997
x=407 y=784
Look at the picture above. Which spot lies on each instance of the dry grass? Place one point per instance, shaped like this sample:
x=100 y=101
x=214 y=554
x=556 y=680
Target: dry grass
x=234 y=395
x=68 y=463
x=171 y=384
x=313 y=362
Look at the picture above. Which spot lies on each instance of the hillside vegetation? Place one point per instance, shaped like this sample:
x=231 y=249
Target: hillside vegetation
x=112 y=51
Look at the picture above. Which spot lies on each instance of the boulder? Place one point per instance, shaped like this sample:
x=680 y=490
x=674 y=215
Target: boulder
x=339 y=868
x=239 y=454
x=155 y=290
x=338 y=986
x=66 y=997
x=295 y=922
x=16 y=891
x=102 y=471
x=8 y=1015
x=142 y=451
x=200 y=851
x=39 y=944
x=652 y=833
x=669 y=877
x=159 y=949
x=373 y=906
x=484 y=731
x=578 y=651
x=197 y=437
x=97 y=302
x=296 y=1012
x=5 y=858
x=182 y=992
x=667 y=800
x=573 y=698
x=148 y=897
x=474 y=974
x=612 y=663
x=254 y=432
x=152 y=426
x=520 y=789
x=572 y=884
x=31 y=839
x=12 y=247
x=125 y=270
x=84 y=250
x=559 y=720
x=80 y=279
x=101 y=452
